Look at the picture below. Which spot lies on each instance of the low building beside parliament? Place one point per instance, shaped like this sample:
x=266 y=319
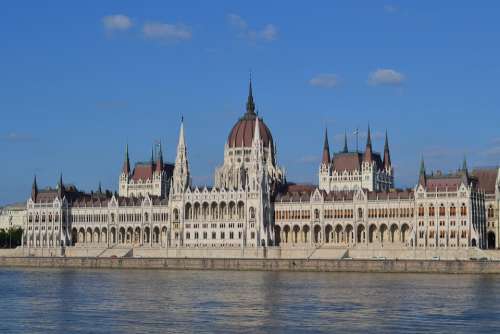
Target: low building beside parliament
x=253 y=205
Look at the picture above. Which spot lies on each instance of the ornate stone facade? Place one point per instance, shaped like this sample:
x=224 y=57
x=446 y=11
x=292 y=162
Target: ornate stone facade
x=252 y=205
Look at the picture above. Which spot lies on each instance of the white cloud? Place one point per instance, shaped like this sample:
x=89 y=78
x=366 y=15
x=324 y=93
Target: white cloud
x=269 y=33
x=386 y=76
x=324 y=80
x=14 y=137
x=237 y=21
x=166 y=31
x=391 y=8
x=116 y=22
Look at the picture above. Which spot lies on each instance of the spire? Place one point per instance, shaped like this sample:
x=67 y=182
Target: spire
x=99 y=189
x=126 y=163
x=422 y=180
x=34 y=190
x=345 y=150
x=464 y=164
x=159 y=161
x=250 y=103
x=369 y=138
x=387 y=155
x=326 y=150
x=181 y=141
x=60 y=187
x=181 y=179
x=368 y=149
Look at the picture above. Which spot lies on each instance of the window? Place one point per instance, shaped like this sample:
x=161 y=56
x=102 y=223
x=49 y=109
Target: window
x=442 y=211
x=252 y=235
x=463 y=210
x=231 y=235
x=431 y=211
x=491 y=212
x=214 y=235
x=453 y=211
x=188 y=235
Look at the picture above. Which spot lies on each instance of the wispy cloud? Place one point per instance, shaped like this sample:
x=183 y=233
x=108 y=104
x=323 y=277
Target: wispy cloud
x=386 y=76
x=324 y=80
x=166 y=31
x=15 y=137
x=390 y=8
x=117 y=22
x=268 y=33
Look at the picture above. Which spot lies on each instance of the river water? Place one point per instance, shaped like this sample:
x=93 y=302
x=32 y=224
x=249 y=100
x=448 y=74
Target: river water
x=156 y=301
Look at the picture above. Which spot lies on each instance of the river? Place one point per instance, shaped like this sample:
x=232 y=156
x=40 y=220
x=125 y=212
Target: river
x=162 y=301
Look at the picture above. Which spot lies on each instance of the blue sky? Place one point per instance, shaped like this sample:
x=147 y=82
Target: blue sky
x=81 y=79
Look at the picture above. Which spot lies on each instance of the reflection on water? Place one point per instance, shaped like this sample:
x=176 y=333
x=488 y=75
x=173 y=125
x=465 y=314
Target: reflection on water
x=132 y=301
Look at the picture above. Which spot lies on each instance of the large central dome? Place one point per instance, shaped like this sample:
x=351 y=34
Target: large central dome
x=242 y=133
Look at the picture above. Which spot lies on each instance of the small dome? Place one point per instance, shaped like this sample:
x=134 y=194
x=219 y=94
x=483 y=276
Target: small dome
x=242 y=133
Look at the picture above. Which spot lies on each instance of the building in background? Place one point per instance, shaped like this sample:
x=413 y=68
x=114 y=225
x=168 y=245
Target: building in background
x=252 y=205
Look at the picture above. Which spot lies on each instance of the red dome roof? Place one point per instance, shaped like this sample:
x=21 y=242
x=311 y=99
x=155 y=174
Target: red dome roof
x=242 y=133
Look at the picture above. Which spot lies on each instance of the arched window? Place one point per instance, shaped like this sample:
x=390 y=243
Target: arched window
x=146 y=217
x=453 y=210
x=252 y=212
x=463 y=210
x=442 y=211
x=316 y=214
x=491 y=212
x=431 y=211
x=360 y=213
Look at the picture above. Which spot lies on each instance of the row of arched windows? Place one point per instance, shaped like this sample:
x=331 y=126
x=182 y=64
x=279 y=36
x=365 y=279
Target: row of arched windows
x=44 y=218
x=390 y=213
x=452 y=210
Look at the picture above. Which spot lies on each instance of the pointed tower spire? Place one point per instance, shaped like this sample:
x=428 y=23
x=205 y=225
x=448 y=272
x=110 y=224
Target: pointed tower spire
x=126 y=163
x=345 y=150
x=422 y=179
x=368 y=149
x=60 y=187
x=34 y=189
x=387 y=155
x=464 y=164
x=369 y=138
x=181 y=141
x=99 y=189
x=250 y=102
x=326 y=150
x=159 y=161
x=181 y=178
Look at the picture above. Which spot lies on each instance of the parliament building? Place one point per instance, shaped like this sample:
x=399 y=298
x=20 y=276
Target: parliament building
x=252 y=204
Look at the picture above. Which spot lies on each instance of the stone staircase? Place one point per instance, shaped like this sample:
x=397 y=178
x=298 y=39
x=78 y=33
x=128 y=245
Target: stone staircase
x=117 y=252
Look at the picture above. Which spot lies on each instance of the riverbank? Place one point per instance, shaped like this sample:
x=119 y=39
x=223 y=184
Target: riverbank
x=312 y=265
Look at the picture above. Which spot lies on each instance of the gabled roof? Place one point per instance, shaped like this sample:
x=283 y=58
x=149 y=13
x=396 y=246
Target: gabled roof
x=486 y=179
